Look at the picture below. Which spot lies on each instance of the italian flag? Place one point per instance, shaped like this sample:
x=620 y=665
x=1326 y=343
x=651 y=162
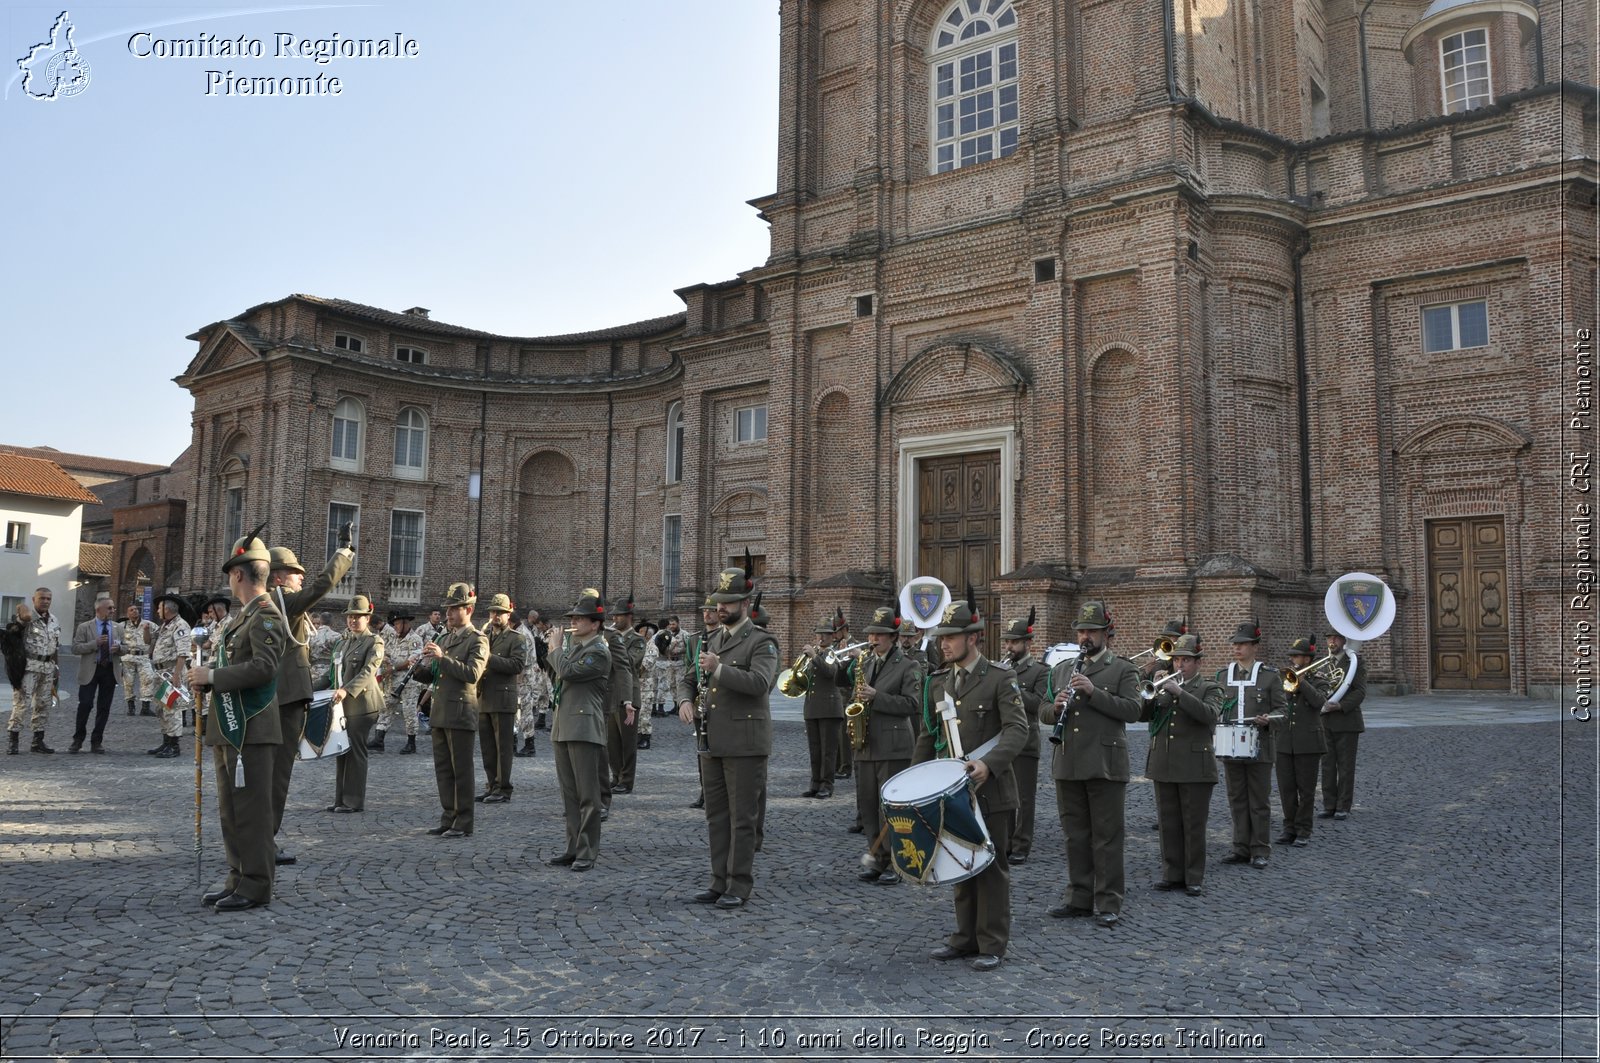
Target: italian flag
x=168 y=695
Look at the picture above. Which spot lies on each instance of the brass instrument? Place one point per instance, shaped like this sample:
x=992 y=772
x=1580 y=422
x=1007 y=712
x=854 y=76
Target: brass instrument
x=1293 y=676
x=795 y=680
x=1151 y=687
x=1162 y=649
x=858 y=713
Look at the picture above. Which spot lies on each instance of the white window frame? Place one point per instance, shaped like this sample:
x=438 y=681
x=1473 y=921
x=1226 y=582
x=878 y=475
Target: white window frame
x=1468 y=102
x=413 y=355
x=1455 y=325
x=17 y=532
x=232 y=518
x=346 y=586
x=738 y=426
x=675 y=441
x=671 y=561
x=947 y=45
x=422 y=542
x=408 y=471
x=335 y=459
x=345 y=341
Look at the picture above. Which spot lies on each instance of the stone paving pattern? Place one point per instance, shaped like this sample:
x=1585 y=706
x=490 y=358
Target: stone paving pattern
x=1453 y=915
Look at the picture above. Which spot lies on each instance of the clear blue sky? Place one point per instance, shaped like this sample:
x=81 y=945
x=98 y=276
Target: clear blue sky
x=537 y=168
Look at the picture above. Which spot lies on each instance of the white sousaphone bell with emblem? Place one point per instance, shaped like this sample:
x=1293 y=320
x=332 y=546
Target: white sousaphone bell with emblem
x=923 y=601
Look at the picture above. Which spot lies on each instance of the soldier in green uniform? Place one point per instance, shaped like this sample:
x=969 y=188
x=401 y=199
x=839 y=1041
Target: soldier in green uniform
x=1033 y=680
x=294 y=601
x=690 y=676
x=497 y=701
x=1182 y=765
x=1174 y=630
x=459 y=655
x=738 y=663
x=355 y=675
x=247 y=731
x=987 y=704
x=1098 y=694
x=823 y=709
x=1343 y=724
x=578 y=735
x=1252 y=692
x=1301 y=745
x=622 y=721
x=890 y=685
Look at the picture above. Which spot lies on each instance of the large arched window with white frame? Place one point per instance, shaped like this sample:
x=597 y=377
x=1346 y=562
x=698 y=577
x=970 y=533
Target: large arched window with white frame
x=411 y=444
x=675 y=443
x=345 y=452
x=974 y=84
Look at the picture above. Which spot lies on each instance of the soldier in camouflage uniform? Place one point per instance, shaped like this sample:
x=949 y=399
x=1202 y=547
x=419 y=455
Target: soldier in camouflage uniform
x=174 y=642
x=400 y=653
x=652 y=676
x=138 y=681
x=533 y=688
x=324 y=646
x=41 y=641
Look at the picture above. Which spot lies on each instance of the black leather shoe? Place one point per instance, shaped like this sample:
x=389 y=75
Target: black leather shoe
x=1107 y=919
x=824 y=793
x=1284 y=839
x=948 y=952
x=698 y=802
x=564 y=860
x=235 y=903
x=842 y=773
x=1326 y=814
x=583 y=865
x=1259 y=863
x=436 y=831
x=622 y=789
x=496 y=799
x=888 y=878
x=481 y=798
x=343 y=808
x=1235 y=858
x=1155 y=826
x=729 y=901
x=705 y=897
x=1301 y=843
x=333 y=808
x=456 y=832
x=984 y=963
x=857 y=828
x=1016 y=858
x=284 y=858
x=808 y=793
x=605 y=814
x=1341 y=815
x=1194 y=891
x=75 y=747
x=1166 y=887
x=97 y=748
x=869 y=875
x=162 y=748
x=1069 y=911
x=210 y=899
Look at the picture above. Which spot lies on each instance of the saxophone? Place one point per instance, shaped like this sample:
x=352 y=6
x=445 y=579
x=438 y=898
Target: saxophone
x=858 y=713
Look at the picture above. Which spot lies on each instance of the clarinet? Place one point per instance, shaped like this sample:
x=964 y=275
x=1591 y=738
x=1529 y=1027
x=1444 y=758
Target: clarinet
x=1060 y=728
x=702 y=737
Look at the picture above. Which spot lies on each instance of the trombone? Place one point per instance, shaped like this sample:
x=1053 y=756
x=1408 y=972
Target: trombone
x=1162 y=649
x=1293 y=676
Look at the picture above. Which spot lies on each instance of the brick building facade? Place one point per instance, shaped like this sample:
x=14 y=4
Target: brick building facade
x=1188 y=304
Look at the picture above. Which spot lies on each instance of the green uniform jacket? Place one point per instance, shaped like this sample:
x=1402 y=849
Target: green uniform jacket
x=689 y=679
x=1181 y=730
x=738 y=714
x=508 y=657
x=360 y=657
x=455 y=688
x=1347 y=717
x=255 y=640
x=1094 y=742
x=1033 y=679
x=895 y=711
x=990 y=704
x=1300 y=731
x=627 y=653
x=1263 y=698
x=294 y=668
x=582 y=674
x=825 y=698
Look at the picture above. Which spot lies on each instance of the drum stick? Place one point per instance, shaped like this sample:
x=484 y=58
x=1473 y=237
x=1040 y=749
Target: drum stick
x=985 y=749
x=952 y=729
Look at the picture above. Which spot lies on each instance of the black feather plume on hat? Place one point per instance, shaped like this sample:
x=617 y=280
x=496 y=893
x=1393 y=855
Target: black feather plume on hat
x=749 y=570
x=1032 y=614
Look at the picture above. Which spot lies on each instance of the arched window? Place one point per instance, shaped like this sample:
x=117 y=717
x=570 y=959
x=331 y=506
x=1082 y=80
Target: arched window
x=974 y=84
x=411 y=443
x=346 y=449
x=675 y=443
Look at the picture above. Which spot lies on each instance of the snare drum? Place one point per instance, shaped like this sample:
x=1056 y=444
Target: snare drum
x=324 y=734
x=936 y=831
x=1238 y=741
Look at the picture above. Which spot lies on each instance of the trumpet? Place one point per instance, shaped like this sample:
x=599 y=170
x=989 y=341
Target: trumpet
x=1151 y=687
x=1162 y=649
x=1293 y=676
x=839 y=654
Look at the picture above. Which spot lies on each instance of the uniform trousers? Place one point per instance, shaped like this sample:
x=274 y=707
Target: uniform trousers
x=733 y=809
x=622 y=749
x=1297 y=791
x=138 y=678
x=350 y=769
x=983 y=902
x=870 y=777
x=1339 y=771
x=1184 y=808
x=498 y=745
x=405 y=702
x=246 y=815
x=1026 y=768
x=452 y=769
x=822 y=737
x=96 y=694
x=578 y=768
x=37 y=692
x=1091 y=812
x=1249 y=796
x=293 y=716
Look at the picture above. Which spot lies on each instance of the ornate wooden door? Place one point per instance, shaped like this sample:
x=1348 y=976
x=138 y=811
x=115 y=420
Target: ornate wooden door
x=1469 y=646
x=958 y=537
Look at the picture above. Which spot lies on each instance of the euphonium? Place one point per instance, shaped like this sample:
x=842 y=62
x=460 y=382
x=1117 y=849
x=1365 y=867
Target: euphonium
x=796 y=679
x=857 y=714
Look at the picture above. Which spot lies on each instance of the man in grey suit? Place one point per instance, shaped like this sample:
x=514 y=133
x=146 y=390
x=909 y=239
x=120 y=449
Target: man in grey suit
x=99 y=648
x=578 y=735
x=739 y=662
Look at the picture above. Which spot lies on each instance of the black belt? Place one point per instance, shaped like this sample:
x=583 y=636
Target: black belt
x=42 y=660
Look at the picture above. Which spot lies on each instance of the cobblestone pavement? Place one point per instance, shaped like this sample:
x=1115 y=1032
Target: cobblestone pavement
x=1452 y=916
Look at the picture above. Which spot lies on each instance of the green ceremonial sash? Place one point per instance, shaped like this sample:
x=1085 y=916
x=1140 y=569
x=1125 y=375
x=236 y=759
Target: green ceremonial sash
x=236 y=707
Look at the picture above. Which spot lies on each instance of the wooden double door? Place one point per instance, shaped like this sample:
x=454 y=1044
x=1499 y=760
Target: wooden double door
x=1470 y=647
x=958 y=530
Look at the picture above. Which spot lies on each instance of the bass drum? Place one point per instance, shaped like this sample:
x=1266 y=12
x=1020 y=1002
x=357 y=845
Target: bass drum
x=324 y=734
x=1061 y=651
x=936 y=832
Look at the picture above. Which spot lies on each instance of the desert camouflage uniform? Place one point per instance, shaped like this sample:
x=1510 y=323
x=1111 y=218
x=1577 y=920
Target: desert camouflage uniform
x=400 y=652
x=138 y=678
x=172 y=648
x=324 y=646
x=38 y=690
x=533 y=688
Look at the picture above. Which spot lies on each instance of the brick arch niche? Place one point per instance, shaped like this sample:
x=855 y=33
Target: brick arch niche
x=547 y=522
x=1116 y=458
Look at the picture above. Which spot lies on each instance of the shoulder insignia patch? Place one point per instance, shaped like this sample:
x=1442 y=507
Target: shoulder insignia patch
x=267 y=624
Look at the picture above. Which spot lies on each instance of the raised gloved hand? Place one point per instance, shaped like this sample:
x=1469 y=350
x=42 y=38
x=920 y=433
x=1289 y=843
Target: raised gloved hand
x=346 y=540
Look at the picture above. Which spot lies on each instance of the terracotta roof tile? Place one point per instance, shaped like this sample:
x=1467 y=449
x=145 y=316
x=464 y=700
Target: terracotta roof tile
x=94 y=559
x=85 y=462
x=20 y=475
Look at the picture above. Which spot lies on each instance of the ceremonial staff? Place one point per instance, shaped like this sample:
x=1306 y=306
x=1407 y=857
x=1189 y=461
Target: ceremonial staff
x=199 y=637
